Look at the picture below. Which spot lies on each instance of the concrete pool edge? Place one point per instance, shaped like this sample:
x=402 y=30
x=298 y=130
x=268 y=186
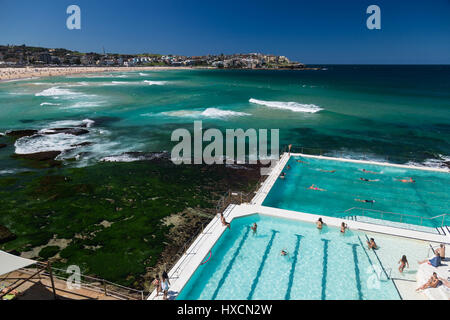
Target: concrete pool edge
x=186 y=266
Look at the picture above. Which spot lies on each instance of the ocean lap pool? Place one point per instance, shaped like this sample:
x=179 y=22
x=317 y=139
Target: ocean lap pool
x=320 y=264
x=420 y=203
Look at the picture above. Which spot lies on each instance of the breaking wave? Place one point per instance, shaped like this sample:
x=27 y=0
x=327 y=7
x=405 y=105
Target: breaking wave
x=293 y=106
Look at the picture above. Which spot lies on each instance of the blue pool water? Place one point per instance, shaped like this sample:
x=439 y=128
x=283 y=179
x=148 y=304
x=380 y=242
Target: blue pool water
x=321 y=264
x=428 y=197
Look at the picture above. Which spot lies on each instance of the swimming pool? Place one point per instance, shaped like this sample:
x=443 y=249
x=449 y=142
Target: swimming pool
x=320 y=264
x=428 y=197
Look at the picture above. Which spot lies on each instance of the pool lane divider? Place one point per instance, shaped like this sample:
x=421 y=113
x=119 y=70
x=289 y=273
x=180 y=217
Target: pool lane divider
x=324 y=268
x=357 y=271
x=230 y=264
x=261 y=266
x=294 y=263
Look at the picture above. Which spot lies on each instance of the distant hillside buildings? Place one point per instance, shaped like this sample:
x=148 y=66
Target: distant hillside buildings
x=18 y=56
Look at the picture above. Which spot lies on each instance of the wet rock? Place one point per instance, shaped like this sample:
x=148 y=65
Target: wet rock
x=82 y=144
x=6 y=235
x=39 y=156
x=20 y=133
x=2 y=145
x=73 y=131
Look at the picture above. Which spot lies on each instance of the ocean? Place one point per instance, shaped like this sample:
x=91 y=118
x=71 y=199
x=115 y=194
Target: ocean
x=379 y=112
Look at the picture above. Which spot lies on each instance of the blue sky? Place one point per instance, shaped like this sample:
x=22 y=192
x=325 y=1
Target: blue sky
x=313 y=32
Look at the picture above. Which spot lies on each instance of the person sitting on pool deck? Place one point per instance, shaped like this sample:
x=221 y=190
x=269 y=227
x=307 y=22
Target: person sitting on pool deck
x=410 y=180
x=224 y=222
x=441 y=251
x=403 y=263
x=314 y=187
x=371 y=244
x=368 y=201
x=319 y=223
x=254 y=227
x=435 y=261
x=433 y=282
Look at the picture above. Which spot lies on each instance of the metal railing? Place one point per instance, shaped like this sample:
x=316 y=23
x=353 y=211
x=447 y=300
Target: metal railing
x=400 y=217
x=92 y=284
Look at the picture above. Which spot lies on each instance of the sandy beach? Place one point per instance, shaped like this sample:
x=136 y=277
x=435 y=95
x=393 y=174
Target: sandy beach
x=33 y=72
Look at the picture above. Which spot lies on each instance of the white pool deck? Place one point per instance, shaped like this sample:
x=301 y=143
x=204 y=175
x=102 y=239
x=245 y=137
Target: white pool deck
x=183 y=270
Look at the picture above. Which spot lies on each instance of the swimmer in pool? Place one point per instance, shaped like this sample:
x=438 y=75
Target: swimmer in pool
x=288 y=167
x=319 y=223
x=410 y=180
x=300 y=161
x=371 y=244
x=254 y=228
x=368 y=180
x=284 y=252
x=282 y=175
x=367 y=171
x=330 y=171
x=314 y=187
x=343 y=227
x=366 y=201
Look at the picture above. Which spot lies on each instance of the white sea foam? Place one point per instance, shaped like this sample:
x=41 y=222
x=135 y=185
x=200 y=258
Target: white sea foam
x=49 y=104
x=131 y=157
x=72 y=123
x=85 y=104
x=433 y=163
x=155 y=83
x=143 y=74
x=207 y=113
x=55 y=92
x=293 y=106
x=41 y=143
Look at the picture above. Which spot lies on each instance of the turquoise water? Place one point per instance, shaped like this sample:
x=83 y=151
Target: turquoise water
x=381 y=111
x=321 y=265
x=428 y=197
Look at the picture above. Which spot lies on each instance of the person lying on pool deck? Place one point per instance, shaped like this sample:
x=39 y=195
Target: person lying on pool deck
x=368 y=201
x=433 y=282
x=371 y=244
x=410 y=180
x=435 y=261
x=368 y=180
x=314 y=187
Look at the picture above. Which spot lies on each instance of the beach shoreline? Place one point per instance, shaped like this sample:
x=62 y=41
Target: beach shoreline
x=23 y=73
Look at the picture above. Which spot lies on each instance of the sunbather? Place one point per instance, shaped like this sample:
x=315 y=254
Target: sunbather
x=433 y=282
